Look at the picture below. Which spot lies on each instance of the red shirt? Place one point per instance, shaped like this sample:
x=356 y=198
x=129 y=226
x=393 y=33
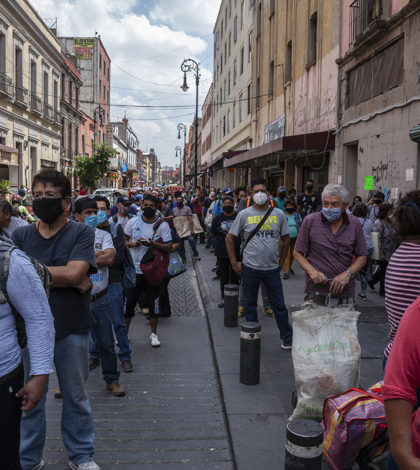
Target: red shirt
x=402 y=372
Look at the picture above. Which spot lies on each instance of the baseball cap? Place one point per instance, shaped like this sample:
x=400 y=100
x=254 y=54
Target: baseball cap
x=123 y=200
x=227 y=190
x=139 y=196
x=281 y=189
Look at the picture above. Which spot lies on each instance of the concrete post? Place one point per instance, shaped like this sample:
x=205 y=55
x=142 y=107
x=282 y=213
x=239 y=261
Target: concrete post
x=304 y=445
x=250 y=353
x=231 y=295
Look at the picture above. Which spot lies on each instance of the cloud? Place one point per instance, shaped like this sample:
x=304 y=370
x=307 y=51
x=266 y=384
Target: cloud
x=146 y=50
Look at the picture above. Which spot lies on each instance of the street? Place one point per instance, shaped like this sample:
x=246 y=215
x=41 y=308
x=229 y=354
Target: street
x=185 y=407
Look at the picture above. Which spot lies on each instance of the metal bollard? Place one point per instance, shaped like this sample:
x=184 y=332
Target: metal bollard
x=250 y=353
x=304 y=445
x=231 y=295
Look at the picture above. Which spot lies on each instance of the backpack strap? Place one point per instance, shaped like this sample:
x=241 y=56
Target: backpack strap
x=272 y=202
x=248 y=201
x=115 y=219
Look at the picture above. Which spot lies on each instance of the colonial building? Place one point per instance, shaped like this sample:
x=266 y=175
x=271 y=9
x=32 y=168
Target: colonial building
x=206 y=134
x=126 y=133
x=30 y=70
x=91 y=58
x=379 y=98
x=232 y=89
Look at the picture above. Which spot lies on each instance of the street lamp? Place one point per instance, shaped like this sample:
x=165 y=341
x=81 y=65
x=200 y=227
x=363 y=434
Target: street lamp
x=190 y=65
x=182 y=127
x=178 y=153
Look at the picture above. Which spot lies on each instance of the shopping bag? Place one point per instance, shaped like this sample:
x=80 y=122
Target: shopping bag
x=375 y=243
x=182 y=225
x=176 y=265
x=326 y=355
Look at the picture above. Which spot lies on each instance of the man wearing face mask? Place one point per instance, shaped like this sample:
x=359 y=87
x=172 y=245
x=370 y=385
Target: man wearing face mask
x=220 y=227
x=67 y=248
x=85 y=211
x=123 y=215
x=264 y=246
x=309 y=201
x=326 y=245
x=281 y=197
x=373 y=206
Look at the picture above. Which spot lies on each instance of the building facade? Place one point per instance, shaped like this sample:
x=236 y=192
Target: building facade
x=91 y=58
x=379 y=100
x=232 y=89
x=30 y=71
x=126 y=133
x=206 y=135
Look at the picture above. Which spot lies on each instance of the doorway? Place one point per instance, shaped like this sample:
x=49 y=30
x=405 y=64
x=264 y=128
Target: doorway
x=350 y=168
x=33 y=160
x=19 y=148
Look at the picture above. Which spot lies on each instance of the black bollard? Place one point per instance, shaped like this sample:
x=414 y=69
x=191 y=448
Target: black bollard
x=250 y=353
x=304 y=445
x=231 y=295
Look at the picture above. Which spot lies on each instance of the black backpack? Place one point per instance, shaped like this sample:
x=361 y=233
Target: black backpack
x=115 y=218
x=6 y=248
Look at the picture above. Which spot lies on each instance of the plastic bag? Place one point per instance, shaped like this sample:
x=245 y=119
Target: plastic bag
x=326 y=355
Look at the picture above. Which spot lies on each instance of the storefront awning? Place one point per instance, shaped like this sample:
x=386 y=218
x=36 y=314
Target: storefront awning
x=286 y=147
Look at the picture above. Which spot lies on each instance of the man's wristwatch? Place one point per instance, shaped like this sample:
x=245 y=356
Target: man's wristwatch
x=351 y=275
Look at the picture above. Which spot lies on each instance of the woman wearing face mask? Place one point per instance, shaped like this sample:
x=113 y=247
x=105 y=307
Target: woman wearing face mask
x=294 y=221
x=219 y=229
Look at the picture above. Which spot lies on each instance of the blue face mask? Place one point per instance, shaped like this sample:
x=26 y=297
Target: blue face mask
x=92 y=220
x=331 y=214
x=102 y=217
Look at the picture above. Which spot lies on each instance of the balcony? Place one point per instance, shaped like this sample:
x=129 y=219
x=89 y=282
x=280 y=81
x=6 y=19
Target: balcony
x=48 y=112
x=6 y=85
x=57 y=116
x=36 y=104
x=362 y=14
x=21 y=96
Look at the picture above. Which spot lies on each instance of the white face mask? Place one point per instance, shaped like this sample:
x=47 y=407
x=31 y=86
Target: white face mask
x=260 y=198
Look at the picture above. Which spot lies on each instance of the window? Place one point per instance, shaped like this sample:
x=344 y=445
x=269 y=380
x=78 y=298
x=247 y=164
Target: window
x=70 y=141
x=250 y=98
x=235 y=29
x=257 y=93
x=217 y=102
x=242 y=13
x=70 y=97
x=76 y=97
x=220 y=97
x=46 y=88
x=83 y=144
x=100 y=87
x=107 y=97
x=225 y=52
x=271 y=79
x=217 y=72
x=100 y=61
x=259 y=18
x=221 y=63
x=221 y=30
x=224 y=126
x=228 y=121
x=251 y=3
x=217 y=132
x=242 y=61
x=107 y=74
x=229 y=83
x=240 y=107
x=230 y=43
x=230 y=8
x=226 y=17
x=234 y=116
x=235 y=72
x=2 y=53
x=33 y=82
x=104 y=93
x=55 y=96
x=19 y=73
x=288 y=65
x=313 y=27
x=250 y=47
x=225 y=90
x=217 y=40
x=76 y=140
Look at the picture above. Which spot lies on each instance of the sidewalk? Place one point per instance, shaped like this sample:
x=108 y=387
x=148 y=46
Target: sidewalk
x=257 y=415
x=172 y=416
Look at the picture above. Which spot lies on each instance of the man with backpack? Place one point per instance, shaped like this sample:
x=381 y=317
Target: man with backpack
x=141 y=233
x=115 y=287
x=264 y=232
x=67 y=248
x=33 y=307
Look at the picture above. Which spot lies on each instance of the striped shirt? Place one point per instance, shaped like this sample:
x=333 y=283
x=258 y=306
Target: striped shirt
x=402 y=285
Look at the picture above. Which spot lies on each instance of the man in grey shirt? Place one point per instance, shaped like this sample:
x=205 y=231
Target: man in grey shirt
x=263 y=257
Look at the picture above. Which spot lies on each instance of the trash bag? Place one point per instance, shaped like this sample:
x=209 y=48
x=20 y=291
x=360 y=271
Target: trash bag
x=326 y=355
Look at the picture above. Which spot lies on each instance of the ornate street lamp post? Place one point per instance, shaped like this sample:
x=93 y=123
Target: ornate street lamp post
x=190 y=65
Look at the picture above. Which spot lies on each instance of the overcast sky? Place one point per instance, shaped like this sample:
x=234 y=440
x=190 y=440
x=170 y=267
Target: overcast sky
x=146 y=40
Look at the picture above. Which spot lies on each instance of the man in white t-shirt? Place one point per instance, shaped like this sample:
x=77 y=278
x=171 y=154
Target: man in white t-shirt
x=9 y=223
x=140 y=233
x=85 y=211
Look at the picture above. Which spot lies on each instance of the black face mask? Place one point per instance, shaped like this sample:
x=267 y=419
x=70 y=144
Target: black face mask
x=378 y=202
x=48 y=209
x=309 y=188
x=228 y=209
x=290 y=210
x=179 y=204
x=282 y=195
x=149 y=212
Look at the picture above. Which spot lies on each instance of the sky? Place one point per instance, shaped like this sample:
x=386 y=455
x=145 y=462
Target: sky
x=147 y=40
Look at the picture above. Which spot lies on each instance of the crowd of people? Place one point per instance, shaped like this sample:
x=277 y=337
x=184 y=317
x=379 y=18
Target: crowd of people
x=89 y=265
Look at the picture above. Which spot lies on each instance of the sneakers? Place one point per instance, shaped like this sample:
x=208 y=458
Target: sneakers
x=40 y=466
x=127 y=366
x=221 y=304
x=154 y=340
x=286 y=276
x=363 y=296
x=116 y=390
x=240 y=312
x=57 y=394
x=292 y=272
x=93 y=363
x=197 y=258
x=269 y=312
x=84 y=466
x=286 y=346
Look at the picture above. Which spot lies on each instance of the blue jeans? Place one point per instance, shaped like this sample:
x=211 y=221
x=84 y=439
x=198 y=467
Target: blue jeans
x=101 y=311
x=209 y=240
x=192 y=245
x=251 y=280
x=116 y=300
x=71 y=363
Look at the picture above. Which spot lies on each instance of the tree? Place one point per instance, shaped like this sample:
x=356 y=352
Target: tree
x=91 y=170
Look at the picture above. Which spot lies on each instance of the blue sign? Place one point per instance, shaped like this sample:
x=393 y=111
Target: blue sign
x=123 y=168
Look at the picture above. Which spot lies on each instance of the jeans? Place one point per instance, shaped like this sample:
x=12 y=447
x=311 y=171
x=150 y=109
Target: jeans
x=251 y=280
x=365 y=272
x=227 y=274
x=101 y=311
x=71 y=362
x=192 y=245
x=10 y=413
x=264 y=295
x=289 y=257
x=116 y=301
x=209 y=239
